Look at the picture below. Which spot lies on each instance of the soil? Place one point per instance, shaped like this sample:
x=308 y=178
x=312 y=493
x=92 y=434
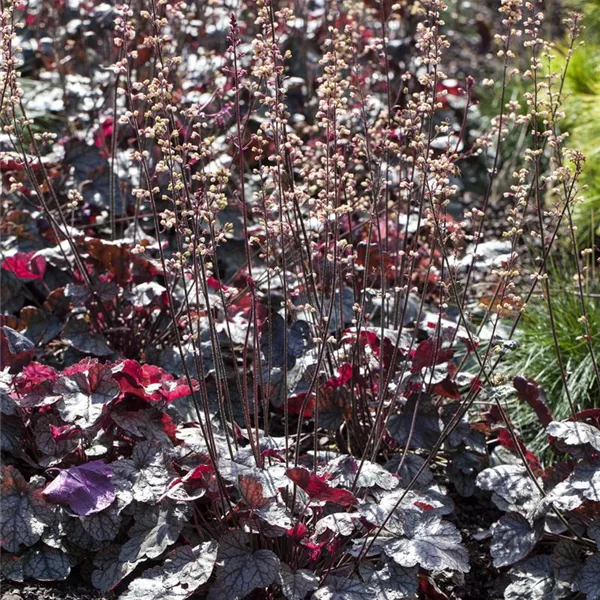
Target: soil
x=64 y=590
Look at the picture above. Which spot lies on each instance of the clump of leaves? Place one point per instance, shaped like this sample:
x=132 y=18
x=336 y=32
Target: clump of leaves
x=540 y=505
x=236 y=300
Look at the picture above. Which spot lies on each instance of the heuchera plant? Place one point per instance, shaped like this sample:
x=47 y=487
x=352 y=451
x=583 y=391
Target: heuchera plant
x=251 y=323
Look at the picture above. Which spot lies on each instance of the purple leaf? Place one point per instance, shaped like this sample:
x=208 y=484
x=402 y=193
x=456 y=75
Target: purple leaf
x=155 y=529
x=274 y=333
x=7 y=405
x=147 y=472
x=594 y=532
x=586 y=478
x=338 y=523
x=421 y=430
x=86 y=489
x=566 y=562
x=104 y=525
x=11 y=567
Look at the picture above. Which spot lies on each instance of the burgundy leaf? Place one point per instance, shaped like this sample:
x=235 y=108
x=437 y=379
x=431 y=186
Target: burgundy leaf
x=85 y=489
x=529 y=391
x=428 y=354
x=16 y=350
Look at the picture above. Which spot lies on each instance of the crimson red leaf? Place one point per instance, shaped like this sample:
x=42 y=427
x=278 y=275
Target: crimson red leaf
x=318 y=489
x=26 y=266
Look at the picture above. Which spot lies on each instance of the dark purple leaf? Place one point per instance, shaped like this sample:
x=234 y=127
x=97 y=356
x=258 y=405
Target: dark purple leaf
x=575 y=433
x=11 y=292
x=79 y=334
x=54 y=450
x=46 y=564
x=342 y=588
x=430 y=542
x=512 y=488
x=588 y=581
x=148 y=471
x=463 y=470
x=338 y=523
x=566 y=563
x=427 y=423
x=391 y=581
x=532 y=580
x=11 y=434
x=145 y=423
x=295 y=585
x=155 y=529
x=275 y=514
x=586 y=479
x=85 y=489
x=16 y=348
x=242 y=570
x=407 y=467
x=7 y=404
x=11 y=567
x=146 y=294
x=344 y=471
x=513 y=538
x=273 y=336
x=185 y=570
x=25 y=513
x=85 y=394
x=104 y=525
x=110 y=570
x=594 y=532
